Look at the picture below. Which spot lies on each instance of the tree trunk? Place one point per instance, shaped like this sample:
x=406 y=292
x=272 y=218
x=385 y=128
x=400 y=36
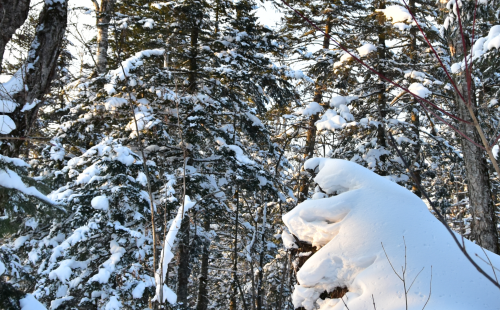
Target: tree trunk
x=311 y=131
x=414 y=115
x=184 y=269
x=260 y=290
x=13 y=13
x=202 y=286
x=234 y=286
x=104 y=13
x=381 y=98
x=483 y=226
x=38 y=72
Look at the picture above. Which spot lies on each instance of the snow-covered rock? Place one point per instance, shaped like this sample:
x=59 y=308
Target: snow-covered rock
x=349 y=229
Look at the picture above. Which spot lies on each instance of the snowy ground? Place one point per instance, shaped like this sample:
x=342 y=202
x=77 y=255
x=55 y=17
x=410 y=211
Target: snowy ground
x=350 y=228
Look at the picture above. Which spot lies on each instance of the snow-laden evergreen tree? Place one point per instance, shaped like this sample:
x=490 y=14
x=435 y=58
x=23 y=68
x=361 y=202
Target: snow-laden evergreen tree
x=98 y=252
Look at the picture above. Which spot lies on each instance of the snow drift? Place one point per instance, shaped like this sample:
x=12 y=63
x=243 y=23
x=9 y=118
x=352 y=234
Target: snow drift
x=349 y=230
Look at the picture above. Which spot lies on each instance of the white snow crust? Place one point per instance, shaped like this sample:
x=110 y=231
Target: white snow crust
x=349 y=230
x=330 y=121
x=30 y=303
x=311 y=109
x=167 y=255
x=366 y=49
x=100 y=203
x=109 y=266
x=7 y=106
x=397 y=13
x=419 y=90
x=6 y=124
x=10 y=179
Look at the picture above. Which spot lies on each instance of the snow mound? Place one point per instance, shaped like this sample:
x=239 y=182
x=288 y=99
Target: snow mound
x=100 y=203
x=396 y=13
x=330 y=121
x=419 y=90
x=30 y=303
x=6 y=124
x=311 y=109
x=349 y=230
x=366 y=49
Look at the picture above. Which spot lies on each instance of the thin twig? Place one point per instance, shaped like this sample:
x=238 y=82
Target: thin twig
x=430 y=291
x=391 y=263
x=344 y=303
x=489 y=263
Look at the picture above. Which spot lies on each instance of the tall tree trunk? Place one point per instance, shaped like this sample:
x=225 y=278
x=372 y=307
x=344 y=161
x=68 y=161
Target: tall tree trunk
x=103 y=18
x=414 y=115
x=184 y=269
x=13 y=13
x=311 y=131
x=381 y=98
x=260 y=290
x=38 y=72
x=202 y=286
x=483 y=225
x=234 y=285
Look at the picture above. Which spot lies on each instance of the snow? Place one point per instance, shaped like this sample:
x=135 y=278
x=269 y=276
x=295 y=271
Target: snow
x=167 y=255
x=349 y=230
x=396 y=13
x=419 y=90
x=133 y=62
x=29 y=106
x=240 y=156
x=288 y=240
x=63 y=272
x=141 y=178
x=481 y=47
x=54 y=304
x=109 y=266
x=336 y=101
x=495 y=150
x=78 y=235
x=2 y=268
x=30 y=303
x=10 y=179
x=330 y=121
x=14 y=85
x=6 y=124
x=366 y=49
x=113 y=304
x=456 y=67
x=7 y=106
x=100 y=203
x=113 y=103
x=311 y=109
x=15 y=161
x=139 y=290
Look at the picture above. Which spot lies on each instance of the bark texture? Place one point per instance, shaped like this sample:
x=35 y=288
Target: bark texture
x=104 y=14
x=381 y=97
x=482 y=208
x=13 y=13
x=312 y=130
x=483 y=226
x=184 y=269
x=202 y=286
x=38 y=72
